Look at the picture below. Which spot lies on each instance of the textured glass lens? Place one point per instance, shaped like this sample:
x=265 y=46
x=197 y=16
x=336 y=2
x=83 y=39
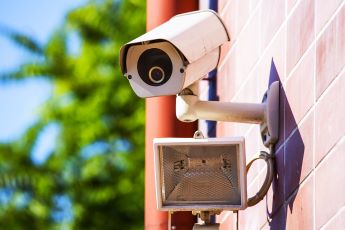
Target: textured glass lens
x=200 y=175
x=154 y=67
x=156 y=74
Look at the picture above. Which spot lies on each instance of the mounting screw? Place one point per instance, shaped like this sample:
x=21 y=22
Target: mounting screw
x=198 y=135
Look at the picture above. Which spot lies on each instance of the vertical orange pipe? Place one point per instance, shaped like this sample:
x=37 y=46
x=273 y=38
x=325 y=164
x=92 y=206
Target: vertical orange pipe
x=161 y=122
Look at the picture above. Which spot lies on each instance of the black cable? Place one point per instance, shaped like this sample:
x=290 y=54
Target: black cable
x=269 y=159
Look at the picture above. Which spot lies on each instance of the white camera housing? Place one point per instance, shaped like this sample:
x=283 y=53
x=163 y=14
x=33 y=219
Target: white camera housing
x=174 y=55
x=207 y=174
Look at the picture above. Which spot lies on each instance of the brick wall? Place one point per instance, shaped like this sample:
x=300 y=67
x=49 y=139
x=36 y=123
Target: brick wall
x=301 y=43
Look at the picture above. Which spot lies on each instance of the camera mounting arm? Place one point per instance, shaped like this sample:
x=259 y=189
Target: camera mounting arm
x=189 y=108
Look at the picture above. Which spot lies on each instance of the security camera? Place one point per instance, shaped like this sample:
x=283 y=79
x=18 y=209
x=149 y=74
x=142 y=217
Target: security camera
x=174 y=55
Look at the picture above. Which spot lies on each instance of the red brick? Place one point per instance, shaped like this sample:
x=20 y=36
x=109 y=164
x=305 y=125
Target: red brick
x=329 y=116
x=228 y=223
x=242 y=129
x=253 y=184
x=324 y=11
x=290 y=5
x=275 y=195
x=299 y=91
x=300 y=32
x=221 y=217
x=244 y=12
x=248 y=47
x=299 y=153
x=300 y=207
x=261 y=174
x=228 y=79
x=326 y=59
x=225 y=129
x=225 y=49
x=330 y=53
x=253 y=217
x=274 y=55
x=297 y=99
x=222 y=4
x=252 y=148
x=249 y=91
x=253 y=4
x=272 y=16
x=340 y=21
x=233 y=129
x=330 y=186
x=234 y=16
x=220 y=129
x=230 y=19
x=337 y=223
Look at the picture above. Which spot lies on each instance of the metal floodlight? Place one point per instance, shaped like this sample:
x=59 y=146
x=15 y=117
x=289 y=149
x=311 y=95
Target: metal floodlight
x=200 y=174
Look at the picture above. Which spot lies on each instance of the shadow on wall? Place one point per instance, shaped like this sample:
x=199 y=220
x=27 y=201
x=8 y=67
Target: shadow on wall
x=289 y=153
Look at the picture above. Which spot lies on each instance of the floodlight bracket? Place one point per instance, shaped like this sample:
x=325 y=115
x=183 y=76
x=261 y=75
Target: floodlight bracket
x=206 y=216
x=189 y=108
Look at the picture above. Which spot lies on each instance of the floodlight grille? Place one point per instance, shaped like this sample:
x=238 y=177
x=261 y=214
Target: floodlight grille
x=194 y=174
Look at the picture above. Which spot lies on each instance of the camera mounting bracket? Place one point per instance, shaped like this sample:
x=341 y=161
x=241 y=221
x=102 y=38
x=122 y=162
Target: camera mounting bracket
x=189 y=108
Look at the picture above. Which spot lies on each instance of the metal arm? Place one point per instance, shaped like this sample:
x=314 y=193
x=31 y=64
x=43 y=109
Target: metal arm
x=189 y=108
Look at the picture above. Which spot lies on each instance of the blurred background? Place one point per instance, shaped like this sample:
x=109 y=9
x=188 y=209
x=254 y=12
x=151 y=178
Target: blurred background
x=71 y=130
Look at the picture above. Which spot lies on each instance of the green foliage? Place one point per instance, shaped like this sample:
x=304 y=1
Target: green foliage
x=94 y=177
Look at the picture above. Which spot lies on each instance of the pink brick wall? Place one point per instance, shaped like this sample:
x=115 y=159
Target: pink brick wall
x=304 y=40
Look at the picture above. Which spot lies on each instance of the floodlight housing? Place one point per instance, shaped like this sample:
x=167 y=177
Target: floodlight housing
x=200 y=174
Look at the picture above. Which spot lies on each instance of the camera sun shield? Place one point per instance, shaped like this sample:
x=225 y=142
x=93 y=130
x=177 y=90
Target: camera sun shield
x=175 y=54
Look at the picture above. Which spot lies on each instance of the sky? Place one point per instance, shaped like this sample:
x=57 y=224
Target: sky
x=19 y=102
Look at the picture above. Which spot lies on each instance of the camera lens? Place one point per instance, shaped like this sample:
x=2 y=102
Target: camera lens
x=154 y=67
x=156 y=74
